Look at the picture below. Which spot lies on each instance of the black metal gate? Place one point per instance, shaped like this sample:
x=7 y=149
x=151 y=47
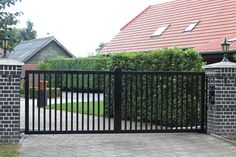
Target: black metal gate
x=114 y=102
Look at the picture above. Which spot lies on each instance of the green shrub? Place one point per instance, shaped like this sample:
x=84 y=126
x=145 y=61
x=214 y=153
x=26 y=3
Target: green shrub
x=160 y=60
x=89 y=63
x=166 y=59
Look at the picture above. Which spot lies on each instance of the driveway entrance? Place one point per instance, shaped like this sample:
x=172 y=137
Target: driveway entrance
x=126 y=145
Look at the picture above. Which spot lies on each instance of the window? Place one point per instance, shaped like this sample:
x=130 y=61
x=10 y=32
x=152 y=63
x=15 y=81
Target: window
x=191 y=26
x=160 y=30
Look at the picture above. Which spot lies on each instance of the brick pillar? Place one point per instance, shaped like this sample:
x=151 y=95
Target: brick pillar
x=221 y=99
x=10 y=71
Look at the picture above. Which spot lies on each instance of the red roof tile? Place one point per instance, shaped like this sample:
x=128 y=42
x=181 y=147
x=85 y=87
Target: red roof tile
x=217 y=21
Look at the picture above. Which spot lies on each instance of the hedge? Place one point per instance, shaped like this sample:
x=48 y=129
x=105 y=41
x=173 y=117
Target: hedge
x=166 y=59
x=89 y=63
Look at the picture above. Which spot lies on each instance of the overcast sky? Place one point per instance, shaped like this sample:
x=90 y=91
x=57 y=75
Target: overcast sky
x=80 y=25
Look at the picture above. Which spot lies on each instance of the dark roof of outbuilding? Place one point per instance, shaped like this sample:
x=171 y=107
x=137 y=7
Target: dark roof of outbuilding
x=216 y=21
x=27 y=49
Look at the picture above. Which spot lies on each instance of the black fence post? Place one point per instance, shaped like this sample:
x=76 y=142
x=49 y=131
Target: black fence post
x=26 y=102
x=203 y=88
x=117 y=90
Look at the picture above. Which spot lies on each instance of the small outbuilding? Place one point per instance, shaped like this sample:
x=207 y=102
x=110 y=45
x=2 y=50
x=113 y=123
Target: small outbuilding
x=32 y=52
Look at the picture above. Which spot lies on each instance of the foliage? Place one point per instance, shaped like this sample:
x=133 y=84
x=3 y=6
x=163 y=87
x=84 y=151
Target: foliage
x=14 y=36
x=17 y=35
x=166 y=59
x=89 y=63
x=10 y=150
x=82 y=107
x=28 y=33
x=100 y=47
x=8 y=19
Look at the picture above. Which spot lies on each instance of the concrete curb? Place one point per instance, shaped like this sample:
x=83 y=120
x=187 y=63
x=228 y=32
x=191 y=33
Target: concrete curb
x=224 y=139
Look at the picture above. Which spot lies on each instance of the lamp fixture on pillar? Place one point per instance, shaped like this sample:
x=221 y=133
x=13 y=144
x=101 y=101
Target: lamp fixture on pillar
x=4 y=40
x=225 y=48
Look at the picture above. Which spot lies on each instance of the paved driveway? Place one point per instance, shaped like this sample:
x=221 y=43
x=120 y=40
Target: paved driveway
x=130 y=145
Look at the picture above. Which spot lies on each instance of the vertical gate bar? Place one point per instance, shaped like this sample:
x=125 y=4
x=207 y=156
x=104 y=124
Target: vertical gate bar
x=118 y=95
x=172 y=101
x=72 y=102
x=192 y=102
x=27 y=102
x=161 y=105
x=38 y=103
x=104 y=101
x=182 y=100
x=141 y=103
x=77 y=101
x=151 y=87
x=82 y=102
x=146 y=103
x=61 y=86
x=93 y=101
x=88 y=91
x=157 y=96
x=203 y=102
x=131 y=100
x=126 y=100
x=66 y=88
x=177 y=101
x=33 y=97
x=98 y=94
x=109 y=103
x=55 y=97
x=167 y=102
x=187 y=108
x=136 y=100
x=44 y=101
x=50 y=102
x=197 y=101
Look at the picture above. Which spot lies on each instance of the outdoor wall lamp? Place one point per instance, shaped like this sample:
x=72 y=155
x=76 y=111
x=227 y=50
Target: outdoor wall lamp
x=225 y=48
x=4 y=40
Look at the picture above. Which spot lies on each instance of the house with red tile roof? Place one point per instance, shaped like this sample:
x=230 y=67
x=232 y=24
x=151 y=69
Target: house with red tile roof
x=201 y=25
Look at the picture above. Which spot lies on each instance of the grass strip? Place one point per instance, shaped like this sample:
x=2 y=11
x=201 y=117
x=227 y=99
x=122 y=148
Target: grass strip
x=91 y=110
x=9 y=150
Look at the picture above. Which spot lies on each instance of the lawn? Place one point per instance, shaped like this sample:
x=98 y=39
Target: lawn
x=10 y=150
x=93 y=108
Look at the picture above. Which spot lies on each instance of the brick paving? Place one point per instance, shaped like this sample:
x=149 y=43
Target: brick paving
x=122 y=145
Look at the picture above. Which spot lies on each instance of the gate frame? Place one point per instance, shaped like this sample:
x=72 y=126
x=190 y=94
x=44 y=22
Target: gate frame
x=118 y=73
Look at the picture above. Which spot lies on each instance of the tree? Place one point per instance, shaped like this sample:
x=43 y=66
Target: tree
x=100 y=47
x=8 y=19
x=14 y=36
x=28 y=33
x=17 y=35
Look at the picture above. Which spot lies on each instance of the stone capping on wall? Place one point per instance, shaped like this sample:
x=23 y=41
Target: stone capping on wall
x=10 y=71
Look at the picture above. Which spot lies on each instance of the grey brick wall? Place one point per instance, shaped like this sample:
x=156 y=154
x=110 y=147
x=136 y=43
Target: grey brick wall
x=222 y=114
x=9 y=103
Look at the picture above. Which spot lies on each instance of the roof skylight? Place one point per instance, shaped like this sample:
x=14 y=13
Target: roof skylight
x=160 y=30
x=191 y=26
x=232 y=40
